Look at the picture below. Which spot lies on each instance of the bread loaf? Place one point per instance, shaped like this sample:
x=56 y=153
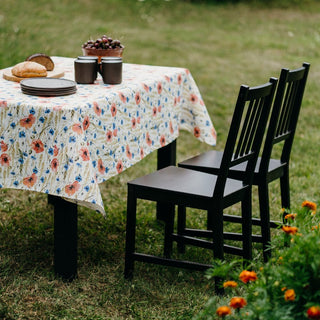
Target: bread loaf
x=42 y=59
x=29 y=69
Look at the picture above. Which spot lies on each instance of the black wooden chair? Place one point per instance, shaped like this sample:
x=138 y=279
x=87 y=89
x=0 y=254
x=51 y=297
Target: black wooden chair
x=213 y=193
x=281 y=129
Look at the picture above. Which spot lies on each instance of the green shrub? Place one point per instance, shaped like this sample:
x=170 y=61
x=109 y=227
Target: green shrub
x=288 y=286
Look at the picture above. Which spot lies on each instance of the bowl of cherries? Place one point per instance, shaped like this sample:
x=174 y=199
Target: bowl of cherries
x=103 y=47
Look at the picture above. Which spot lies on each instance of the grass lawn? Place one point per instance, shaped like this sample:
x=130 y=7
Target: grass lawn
x=223 y=46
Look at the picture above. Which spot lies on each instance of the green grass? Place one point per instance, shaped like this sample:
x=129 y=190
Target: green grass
x=224 y=46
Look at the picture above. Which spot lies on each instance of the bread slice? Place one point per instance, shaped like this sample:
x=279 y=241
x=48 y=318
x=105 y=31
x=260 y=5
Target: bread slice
x=29 y=69
x=42 y=59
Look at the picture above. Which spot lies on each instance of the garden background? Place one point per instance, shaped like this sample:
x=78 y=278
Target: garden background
x=224 y=45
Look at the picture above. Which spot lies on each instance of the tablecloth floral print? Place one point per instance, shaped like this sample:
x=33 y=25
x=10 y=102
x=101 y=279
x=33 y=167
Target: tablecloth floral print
x=67 y=145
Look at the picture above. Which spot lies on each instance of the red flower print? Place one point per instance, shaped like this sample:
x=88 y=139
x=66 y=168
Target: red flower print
x=115 y=132
x=128 y=152
x=28 y=122
x=3 y=104
x=3 y=146
x=113 y=109
x=5 y=160
x=167 y=78
x=137 y=98
x=77 y=128
x=30 y=181
x=145 y=87
x=162 y=140
x=154 y=111
x=179 y=79
x=119 y=166
x=196 y=132
x=86 y=123
x=109 y=135
x=54 y=165
x=159 y=87
x=171 y=127
x=175 y=101
x=201 y=102
x=71 y=189
x=194 y=98
x=122 y=97
x=55 y=150
x=159 y=109
x=96 y=109
x=141 y=153
x=148 y=139
x=138 y=119
x=37 y=146
x=187 y=71
x=84 y=154
x=133 y=123
x=101 y=168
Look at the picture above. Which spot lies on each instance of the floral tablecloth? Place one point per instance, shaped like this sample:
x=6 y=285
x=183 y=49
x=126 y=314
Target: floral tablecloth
x=66 y=146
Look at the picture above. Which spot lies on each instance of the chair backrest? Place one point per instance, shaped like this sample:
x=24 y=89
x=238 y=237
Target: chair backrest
x=285 y=114
x=246 y=131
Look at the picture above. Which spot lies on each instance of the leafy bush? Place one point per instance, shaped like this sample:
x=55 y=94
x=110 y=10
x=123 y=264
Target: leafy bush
x=287 y=287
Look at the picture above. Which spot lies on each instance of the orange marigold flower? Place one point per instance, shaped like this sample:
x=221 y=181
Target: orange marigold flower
x=237 y=302
x=290 y=216
x=289 y=229
x=289 y=295
x=313 y=312
x=246 y=276
x=230 y=284
x=309 y=204
x=223 y=311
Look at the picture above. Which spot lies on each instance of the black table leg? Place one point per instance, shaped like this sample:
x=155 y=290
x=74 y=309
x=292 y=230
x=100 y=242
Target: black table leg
x=65 y=238
x=166 y=157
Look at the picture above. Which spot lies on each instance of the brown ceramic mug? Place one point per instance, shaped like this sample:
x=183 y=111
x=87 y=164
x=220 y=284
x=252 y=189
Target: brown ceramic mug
x=85 y=71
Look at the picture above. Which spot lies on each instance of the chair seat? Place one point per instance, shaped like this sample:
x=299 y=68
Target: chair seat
x=163 y=183
x=210 y=162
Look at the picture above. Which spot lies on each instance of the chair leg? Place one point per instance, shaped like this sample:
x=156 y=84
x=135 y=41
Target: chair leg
x=265 y=219
x=246 y=209
x=285 y=189
x=216 y=216
x=130 y=234
x=181 y=227
x=169 y=222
